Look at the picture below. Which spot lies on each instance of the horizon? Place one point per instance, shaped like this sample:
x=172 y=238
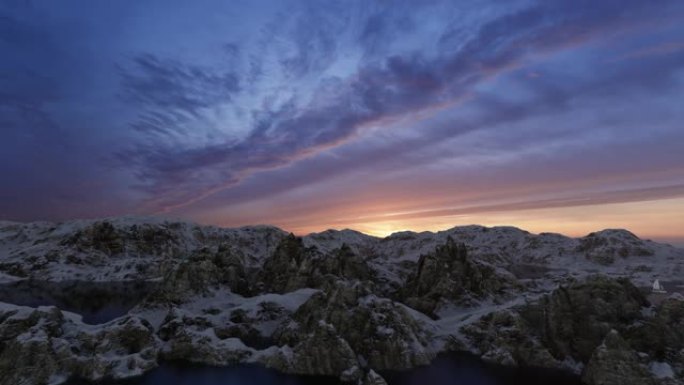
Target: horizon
x=676 y=242
x=549 y=116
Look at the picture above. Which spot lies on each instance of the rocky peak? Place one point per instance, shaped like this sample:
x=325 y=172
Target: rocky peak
x=605 y=246
x=615 y=363
x=287 y=269
x=578 y=316
x=449 y=274
x=293 y=266
x=377 y=329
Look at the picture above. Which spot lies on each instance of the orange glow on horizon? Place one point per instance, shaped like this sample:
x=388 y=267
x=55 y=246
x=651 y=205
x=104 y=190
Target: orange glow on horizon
x=657 y=220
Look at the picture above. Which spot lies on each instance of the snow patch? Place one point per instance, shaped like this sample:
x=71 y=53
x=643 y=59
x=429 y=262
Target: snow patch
x=661 y=369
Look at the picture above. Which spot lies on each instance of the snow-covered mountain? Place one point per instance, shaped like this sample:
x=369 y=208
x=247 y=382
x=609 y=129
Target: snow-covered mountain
x=134 y=248
x=125 y=248
x=341 y=302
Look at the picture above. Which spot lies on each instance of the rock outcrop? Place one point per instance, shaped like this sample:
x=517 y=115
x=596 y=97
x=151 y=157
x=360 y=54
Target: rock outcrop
x=507 y=338
x=43 y=346
x=604 y=325
x=604 y=247
x=346 y=331
x=121 y=248
x=294 y=266
x=448 y=275
x=200 y=272
x=614 y=362
x=577 y=318
x=341 y=303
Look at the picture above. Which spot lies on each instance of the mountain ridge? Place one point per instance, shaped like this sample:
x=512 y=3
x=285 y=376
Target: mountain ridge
x=343 y=303
x=132 y=238
x=136 y=219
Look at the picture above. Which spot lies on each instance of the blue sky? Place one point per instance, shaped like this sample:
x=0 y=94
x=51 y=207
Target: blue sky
x=377 y=115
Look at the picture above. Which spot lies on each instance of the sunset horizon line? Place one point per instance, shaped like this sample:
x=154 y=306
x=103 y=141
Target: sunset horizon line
x=671 y=240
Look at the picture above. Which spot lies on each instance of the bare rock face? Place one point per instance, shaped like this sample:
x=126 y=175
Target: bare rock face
x=615 y=363
x=378 y=331
x=661 y=336
x=232 y=269
x=321 y=350
x=506 y=338
x=603 y=324
x=448 y=274
x=577 y=318
x=104 y=237
x=101 y=236
x=294 y=266
x=202 y=271
x=42 y=346
x=26 y=352
x=186 y=280
x=344 y=263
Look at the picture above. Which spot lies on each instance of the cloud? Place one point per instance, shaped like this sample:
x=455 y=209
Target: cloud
x=187 y=112
x=600 y=198
x=664 y=48
x=378 y=92
x=170 y=93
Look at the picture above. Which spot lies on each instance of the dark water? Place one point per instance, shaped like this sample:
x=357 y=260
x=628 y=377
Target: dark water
x=451 y=369
x=97 y=302
x=466 y=369
x=184 y=374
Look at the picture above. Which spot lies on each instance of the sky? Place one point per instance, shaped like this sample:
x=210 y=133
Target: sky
x=376 y=115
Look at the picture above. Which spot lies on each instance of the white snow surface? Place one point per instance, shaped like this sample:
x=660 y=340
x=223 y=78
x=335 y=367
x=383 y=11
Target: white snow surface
x=661 y=370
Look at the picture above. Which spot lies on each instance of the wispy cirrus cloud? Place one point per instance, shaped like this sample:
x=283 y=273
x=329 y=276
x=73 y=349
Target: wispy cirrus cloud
x=376 y=92
x=173 y=87
x=296 y=113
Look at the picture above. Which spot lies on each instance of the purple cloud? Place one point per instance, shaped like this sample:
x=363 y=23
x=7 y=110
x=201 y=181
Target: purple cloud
x=379 y=92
